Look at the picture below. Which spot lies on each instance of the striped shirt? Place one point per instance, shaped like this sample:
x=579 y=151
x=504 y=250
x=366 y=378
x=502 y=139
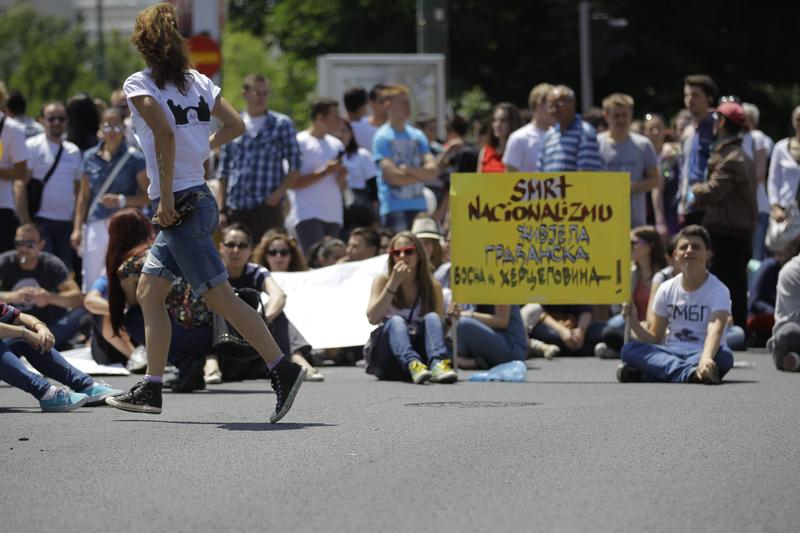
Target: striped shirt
x=8 y=314
x=574 y=149
x=254 y=166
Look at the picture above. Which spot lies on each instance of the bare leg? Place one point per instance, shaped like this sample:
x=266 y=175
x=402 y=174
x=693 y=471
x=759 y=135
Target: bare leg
x=300 y=360
x=152 y=292
x=223 y=301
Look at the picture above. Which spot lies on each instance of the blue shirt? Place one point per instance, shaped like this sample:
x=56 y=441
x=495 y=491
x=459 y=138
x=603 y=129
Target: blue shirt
x=570 y=150
x=101 y=285
x=97 y=170
x=696 y=162
x=407 y=147
x=253 y=166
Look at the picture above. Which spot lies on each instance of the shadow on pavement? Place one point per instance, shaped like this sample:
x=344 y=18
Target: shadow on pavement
x=238 y=426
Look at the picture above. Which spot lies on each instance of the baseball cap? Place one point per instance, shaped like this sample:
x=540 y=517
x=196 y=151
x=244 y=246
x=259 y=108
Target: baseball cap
x=732 y=111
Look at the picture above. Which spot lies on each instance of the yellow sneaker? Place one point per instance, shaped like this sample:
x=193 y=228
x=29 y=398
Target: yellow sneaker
x=419 y=372
x=442 y=372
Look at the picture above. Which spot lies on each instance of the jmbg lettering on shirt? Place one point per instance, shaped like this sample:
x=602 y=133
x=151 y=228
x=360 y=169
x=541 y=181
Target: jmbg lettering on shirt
x=690 y=313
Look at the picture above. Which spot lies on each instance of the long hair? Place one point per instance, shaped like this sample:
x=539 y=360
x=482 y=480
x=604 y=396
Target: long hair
x=514 y=122
x=658 y=256
x=129 y=233
x=156 y=37
x=424 y=276
x=83 y=121
x=297 y=263
x=352 y=146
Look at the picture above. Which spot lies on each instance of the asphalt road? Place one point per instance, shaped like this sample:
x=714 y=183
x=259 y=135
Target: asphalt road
x=570 y=450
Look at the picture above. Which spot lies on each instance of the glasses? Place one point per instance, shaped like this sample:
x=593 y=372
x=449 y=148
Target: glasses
x=731 y=99
x=56 y=118
x=238 y=245
x=107 y=128
x=26 y=243
x=403 y=252
x=283 y=252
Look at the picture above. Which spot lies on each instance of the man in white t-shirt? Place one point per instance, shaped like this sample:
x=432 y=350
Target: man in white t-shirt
x=685 y=341
x=524 y=146
x=13 y=161
x=56 y=210
x=624 y=151
x=758 y=147
x=317 y=194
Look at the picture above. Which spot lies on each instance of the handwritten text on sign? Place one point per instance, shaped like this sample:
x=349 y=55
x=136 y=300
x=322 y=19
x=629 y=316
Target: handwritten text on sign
x=541 y=237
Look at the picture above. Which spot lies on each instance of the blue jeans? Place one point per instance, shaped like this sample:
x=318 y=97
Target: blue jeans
x=657 y=363
x=49 y=363
x=187 y=250
x=479 y=341
x=398 y=221
x=550 y=336
x=67 y=325
x=760 y=233
x=56 y=234
x=396 y=347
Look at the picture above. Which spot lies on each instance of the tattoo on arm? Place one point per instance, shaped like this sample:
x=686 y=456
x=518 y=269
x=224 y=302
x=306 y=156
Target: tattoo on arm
x=161 y=172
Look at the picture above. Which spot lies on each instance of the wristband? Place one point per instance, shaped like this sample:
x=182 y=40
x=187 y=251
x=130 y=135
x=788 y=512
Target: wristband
x=122 y=200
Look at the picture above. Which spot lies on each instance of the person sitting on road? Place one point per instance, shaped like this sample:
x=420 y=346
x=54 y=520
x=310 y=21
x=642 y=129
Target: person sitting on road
x=489 y=335
x=561 y=329
x=23 y=335
x=235 y=251
x=685 y=342
x=407 y=304
x=785 y=341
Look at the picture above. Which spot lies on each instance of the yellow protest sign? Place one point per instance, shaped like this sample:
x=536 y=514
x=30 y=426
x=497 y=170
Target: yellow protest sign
x=550 y=238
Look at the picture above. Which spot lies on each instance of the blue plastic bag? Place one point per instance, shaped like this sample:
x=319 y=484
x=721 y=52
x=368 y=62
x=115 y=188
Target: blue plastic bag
x=514 y=371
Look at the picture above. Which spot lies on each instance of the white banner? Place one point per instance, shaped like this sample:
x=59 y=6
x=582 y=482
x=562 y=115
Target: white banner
x=329 y=305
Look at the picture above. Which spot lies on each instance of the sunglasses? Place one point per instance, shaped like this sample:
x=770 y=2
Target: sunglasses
x=283 y=252
x=238 y=245
x=402 y=252
x=56 y=118
x=107 y=128
x=27 y=243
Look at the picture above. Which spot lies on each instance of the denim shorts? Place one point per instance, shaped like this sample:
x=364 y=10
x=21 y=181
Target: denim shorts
x=187 y=250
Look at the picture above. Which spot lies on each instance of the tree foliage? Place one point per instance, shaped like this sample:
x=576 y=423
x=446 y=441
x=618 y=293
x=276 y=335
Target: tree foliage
x=50 y=58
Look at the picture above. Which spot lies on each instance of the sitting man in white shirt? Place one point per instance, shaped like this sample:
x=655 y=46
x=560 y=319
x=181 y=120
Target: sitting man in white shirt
x=685 y=341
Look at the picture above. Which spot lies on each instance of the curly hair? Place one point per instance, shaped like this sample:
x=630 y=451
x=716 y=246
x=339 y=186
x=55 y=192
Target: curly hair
x=156 y=37
x=297 y=263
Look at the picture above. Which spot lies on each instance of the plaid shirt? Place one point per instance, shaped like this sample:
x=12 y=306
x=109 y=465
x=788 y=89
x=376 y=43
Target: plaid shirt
x=254 y=166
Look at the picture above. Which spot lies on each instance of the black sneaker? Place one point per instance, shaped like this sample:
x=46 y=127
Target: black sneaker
x=286 y=380
x=627 y=374
x=144 y=397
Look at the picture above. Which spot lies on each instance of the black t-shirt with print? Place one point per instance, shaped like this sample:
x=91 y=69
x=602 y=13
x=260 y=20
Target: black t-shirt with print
x=50 y=272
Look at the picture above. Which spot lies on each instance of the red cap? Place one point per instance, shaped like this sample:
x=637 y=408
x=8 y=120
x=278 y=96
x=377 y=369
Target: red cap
x=733 y=112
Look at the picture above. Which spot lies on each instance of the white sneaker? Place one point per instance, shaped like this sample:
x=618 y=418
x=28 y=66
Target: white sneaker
x=603 y=351
x=538 y=348
x=138 y=360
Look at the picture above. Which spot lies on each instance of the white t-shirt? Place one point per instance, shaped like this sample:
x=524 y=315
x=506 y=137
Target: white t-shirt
x=752 y=141
x=12 y=151
x=784 y=175
x=688 y=313
x=360 y=168
x=253 y=125
x=323 y=199
x=58 y=197
x=524 y=147
x=188 y=114
x=364 y=132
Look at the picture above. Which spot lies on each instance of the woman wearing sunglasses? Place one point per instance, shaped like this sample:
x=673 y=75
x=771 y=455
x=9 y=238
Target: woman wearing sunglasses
x=408 y=305
x=97 y=200
x=279 y=253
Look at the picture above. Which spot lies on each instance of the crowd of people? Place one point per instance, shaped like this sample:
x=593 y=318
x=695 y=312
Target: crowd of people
x=715 y=235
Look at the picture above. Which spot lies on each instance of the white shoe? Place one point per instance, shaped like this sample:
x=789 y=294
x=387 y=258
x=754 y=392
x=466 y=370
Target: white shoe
x=138 y=360
x=538 y=348
x=603 y=351
x=214 y=378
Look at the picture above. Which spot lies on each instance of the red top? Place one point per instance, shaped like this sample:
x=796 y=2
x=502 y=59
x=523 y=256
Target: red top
x=492 y=161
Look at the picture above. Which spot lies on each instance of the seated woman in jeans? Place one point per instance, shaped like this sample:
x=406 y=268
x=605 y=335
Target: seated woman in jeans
x=490 y=335
x=408 y=305
x=685 y=342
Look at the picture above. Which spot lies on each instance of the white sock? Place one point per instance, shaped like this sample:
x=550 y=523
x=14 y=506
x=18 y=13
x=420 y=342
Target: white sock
x=51 y=392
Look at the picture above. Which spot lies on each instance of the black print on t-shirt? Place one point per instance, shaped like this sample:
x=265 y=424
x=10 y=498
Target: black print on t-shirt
x=686 y=335
x=183 y=115
x=691 y=313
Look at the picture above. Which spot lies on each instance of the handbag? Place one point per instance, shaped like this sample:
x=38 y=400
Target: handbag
x=229 y=342
x=780 y=234
x=35 y=188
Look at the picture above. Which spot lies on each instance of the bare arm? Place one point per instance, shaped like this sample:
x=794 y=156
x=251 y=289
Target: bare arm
x=232 y=124
x=81 y=204
x=306 y=180
x=95 y=303
x=396 y=176
x=68 y=295
x=655 y=331
x=497 y=320
x=380 y=299
x=17 y=172
x=277 y=298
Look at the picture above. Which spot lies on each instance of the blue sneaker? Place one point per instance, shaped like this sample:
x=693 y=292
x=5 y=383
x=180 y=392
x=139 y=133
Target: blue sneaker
x=98 y=392
x=64 y=400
